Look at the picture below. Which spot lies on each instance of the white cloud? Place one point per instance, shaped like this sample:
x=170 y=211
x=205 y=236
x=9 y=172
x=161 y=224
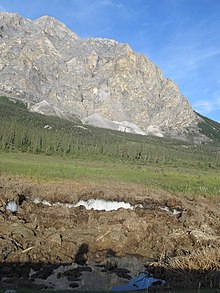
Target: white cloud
x=206 y=106
x=111 y=3
x=107 y=3
x=187 y=49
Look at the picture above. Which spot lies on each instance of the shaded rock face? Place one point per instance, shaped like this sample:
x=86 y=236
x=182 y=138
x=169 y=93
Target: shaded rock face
x=44 y=60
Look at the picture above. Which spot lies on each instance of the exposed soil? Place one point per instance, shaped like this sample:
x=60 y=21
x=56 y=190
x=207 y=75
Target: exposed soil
x=170 y=245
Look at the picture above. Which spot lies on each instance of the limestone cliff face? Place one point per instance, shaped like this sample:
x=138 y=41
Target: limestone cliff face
x=44 y=60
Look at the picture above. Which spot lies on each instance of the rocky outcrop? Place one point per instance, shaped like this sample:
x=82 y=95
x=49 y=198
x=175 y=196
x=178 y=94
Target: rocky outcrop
x=44 y=60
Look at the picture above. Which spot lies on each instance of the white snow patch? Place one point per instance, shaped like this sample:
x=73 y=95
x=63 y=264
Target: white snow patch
x=11 y=206
x=44 y=202
x=101 y=204
x=48 y=126
x=96 y=204
x=82 y=127
x=171 y=210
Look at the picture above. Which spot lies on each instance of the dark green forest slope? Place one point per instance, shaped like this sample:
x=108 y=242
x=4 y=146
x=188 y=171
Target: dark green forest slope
x=21 y=130
x=210 y=128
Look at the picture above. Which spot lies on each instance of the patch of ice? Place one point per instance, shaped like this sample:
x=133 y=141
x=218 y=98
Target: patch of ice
x=96 y=204
x=36 y=200
x=101 y=204
x=48 y=126
x=173 y=211
x=11 y=206
x=44 y=202
x=67 y=205
x=82 y=127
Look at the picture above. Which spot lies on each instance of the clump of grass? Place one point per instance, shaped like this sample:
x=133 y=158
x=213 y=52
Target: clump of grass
x=205 y=259
x=198 y=269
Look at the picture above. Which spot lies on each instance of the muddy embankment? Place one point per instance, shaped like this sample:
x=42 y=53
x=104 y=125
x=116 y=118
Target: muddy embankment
x=177 y=238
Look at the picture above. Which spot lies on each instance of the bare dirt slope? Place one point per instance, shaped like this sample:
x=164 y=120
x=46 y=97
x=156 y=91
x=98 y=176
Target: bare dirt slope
x=163 y=230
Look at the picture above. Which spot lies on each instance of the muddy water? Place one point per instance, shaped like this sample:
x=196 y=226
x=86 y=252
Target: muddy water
x=194 y=291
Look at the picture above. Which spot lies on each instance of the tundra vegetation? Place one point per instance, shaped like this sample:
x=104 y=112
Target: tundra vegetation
x=61 y=155
x=48 y=147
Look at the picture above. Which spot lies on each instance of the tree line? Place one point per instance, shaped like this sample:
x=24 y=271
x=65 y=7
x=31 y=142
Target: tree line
x=23 y=131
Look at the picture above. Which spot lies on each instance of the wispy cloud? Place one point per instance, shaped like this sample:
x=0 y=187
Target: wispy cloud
x=111 y=3
x=101 y=15
x=90 y=9
x=186 y=47
x=206 y=107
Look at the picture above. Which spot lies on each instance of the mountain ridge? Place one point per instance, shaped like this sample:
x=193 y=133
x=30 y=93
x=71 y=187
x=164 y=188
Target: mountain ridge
x=43 y=60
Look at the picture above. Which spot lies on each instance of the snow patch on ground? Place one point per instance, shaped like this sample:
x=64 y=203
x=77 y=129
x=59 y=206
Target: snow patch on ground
x=101 y=204
x=49 y=204
x=11 y=206
x=96 y=204
x=47 y=127
x=173 y=211
x=82 y=127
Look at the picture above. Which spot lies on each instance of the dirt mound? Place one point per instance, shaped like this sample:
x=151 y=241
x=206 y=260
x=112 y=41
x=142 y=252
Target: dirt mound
x=165 y=227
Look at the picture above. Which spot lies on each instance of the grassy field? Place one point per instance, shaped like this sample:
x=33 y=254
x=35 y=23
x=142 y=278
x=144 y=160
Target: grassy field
x=55 y=168
x=68 y=150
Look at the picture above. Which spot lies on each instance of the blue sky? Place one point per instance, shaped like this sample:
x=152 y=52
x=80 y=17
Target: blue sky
x=182 y=37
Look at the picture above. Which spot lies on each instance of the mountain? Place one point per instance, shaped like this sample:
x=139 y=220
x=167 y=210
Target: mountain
x=99 y=81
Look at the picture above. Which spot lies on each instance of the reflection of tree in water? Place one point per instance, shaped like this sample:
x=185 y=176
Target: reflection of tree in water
x=81 y=255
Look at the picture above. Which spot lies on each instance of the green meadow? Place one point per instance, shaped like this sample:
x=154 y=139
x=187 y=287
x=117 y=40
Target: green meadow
x=54 y=168
x=48 y=148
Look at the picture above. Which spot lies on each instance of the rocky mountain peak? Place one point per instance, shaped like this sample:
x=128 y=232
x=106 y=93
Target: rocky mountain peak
x=13 y=25
x=54 y=27
x=44 y=60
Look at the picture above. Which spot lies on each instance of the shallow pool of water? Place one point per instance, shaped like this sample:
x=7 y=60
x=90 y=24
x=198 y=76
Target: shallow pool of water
x=194 y=291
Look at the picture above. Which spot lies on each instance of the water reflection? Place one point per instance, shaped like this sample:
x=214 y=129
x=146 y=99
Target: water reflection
x=217 y=290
